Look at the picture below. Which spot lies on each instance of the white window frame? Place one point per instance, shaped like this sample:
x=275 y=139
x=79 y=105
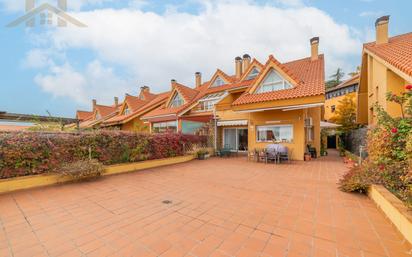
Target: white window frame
x=273 y=85
x=127 y=110
x=269 y=126
x=237 y=137
x=177 y=100
x=252 y=75
x=221 y=82
x=164 y=124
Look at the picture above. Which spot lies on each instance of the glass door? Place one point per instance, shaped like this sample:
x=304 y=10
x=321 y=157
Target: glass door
x=236 y=139
x=230 y=139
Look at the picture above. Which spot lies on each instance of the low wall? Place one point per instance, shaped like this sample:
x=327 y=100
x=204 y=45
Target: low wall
x=27 y=182
x=394 y=209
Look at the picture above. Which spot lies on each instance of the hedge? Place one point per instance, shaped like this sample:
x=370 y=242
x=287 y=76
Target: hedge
x=31 y=153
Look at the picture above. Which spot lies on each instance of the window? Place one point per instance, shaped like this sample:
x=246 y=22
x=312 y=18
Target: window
x=163 y=127
x=273 y=82
x=310 y=134
x=253 y=74
x=127 y=111
x=278 y=133
x=176 y=101
x=98 y=116
x=207 y=105
x=333 y=108
x=218 y=82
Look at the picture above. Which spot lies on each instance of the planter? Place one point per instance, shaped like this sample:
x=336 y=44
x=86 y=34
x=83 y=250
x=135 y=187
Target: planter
x=203 y=156
x=394 y=209
x=308 y=157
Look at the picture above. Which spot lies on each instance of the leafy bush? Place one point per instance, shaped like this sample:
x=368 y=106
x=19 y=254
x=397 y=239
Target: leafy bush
x=389 y=153
x=30 y=153
x=82 y=170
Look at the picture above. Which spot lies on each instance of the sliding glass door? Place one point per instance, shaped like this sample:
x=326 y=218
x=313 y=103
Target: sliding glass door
x=235 y=139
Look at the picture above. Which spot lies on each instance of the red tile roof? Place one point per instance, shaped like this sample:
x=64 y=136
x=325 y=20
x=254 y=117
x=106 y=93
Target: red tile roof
x=349 y=82
x=134 y=102
x=397 y=52
x=84 y=115
x=308 y=74
x=158 y=99
x=187 y=93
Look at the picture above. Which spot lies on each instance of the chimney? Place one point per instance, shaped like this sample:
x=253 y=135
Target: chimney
x=246 y=62
x=145 y=89
x=238 y=62
x=314 y=43
x=382 y=34
x=94 y=102
x=173 y=83
x=198 y=76
x=116 y=101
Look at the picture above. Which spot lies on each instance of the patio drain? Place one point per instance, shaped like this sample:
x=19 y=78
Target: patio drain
x=167 y=202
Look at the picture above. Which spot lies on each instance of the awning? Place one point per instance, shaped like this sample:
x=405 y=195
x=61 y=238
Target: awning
x=324 y=124
x=232 y=123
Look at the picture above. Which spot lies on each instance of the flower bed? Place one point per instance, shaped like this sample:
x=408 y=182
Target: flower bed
x=389 y=161
x=30 y=153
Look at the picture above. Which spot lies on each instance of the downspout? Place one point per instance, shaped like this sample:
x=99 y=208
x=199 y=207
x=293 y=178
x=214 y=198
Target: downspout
x=214 y=117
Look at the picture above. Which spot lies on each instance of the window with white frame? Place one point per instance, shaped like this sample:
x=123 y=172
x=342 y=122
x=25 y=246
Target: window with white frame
x=274 y=133
x=98 y=116
x=273 y=82
x=218 y=82
x=253 y=74
x=177 y=101
x=127 y=110
x=163 y=127
x=207 y=105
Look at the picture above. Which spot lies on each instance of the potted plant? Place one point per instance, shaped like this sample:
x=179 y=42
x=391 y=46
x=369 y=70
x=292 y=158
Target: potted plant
x=308 y=157
x=202 y=154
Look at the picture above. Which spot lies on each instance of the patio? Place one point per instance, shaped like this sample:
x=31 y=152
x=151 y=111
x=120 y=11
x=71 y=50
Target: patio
x=218 y=207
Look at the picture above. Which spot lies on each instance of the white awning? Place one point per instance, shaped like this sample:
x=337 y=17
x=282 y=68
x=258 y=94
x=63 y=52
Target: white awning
x=232 y=123
x=324 y=124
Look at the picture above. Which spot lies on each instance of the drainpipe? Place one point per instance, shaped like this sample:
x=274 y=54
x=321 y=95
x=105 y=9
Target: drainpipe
x=214 y=117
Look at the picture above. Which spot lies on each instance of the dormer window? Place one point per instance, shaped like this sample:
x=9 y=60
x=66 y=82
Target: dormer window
x=253 y=74
x=176 y=101
x=273 y=82
x=127 y=111
x=218 y=82
x=98 y=116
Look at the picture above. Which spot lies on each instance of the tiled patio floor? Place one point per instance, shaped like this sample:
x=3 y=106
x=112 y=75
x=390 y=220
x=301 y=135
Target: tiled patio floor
x=220 y=207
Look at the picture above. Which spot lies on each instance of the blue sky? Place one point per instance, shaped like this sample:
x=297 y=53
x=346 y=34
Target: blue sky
x=128 y=44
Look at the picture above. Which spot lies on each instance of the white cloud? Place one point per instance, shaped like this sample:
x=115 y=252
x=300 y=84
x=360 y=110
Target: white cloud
x=95 y=81
x=371 y=14
x=155 y=48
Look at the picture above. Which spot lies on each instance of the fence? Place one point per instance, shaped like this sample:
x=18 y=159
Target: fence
x=355 y=141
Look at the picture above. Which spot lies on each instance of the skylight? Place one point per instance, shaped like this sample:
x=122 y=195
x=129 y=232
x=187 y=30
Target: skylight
x=273 y=82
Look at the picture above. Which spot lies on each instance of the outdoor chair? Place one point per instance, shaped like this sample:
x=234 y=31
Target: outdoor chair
x=273 y=156
x=312 y=151
x=252 y=155
x=285 y=156
x=262 y=155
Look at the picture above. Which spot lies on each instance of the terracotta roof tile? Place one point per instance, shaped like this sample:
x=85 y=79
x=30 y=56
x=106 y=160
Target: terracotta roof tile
x=84 y=115
x=186 y=92
x=309 y=74
x=134 y=102
x=105 y=110
x=397 y=52
x=348 y=82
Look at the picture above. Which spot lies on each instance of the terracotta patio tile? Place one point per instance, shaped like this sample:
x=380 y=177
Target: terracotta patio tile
x=220 y=207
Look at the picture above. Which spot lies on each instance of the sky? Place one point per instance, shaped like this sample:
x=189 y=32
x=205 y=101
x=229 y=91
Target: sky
x=131 y=43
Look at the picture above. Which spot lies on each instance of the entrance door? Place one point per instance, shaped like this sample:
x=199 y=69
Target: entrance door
x=332 y=142
x=235 y=138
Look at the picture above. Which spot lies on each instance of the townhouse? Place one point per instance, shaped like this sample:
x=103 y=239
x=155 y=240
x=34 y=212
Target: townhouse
x=261 y=104
x=386 y=67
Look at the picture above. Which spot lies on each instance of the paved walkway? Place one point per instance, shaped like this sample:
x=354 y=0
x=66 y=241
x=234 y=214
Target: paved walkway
x=219 y=207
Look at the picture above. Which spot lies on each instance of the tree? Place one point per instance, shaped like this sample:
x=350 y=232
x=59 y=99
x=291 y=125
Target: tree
x=345 y=114
x=335 y=79
x=354 y=73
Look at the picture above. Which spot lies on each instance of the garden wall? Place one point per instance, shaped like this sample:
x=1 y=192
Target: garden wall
x=354 y=139
x=31 y=153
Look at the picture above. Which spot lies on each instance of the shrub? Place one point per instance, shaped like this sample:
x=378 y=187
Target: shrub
x=389 y=153
x=30 y=153
x=82 y=170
